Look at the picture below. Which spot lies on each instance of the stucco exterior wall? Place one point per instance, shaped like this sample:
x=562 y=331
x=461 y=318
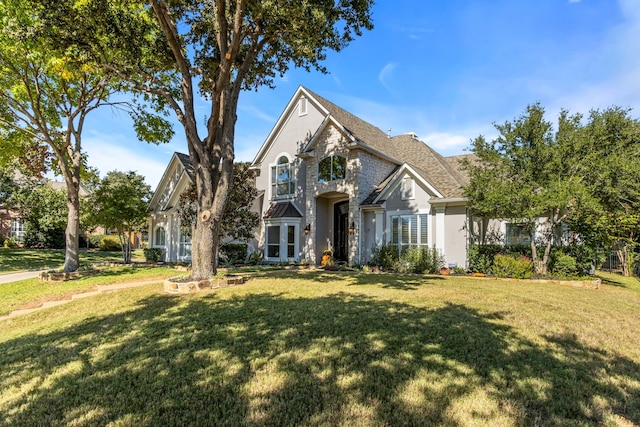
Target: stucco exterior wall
x=456 y=238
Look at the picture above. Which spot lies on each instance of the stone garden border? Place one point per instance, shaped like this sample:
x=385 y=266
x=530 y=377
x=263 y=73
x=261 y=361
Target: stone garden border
x=55 y=276
x=177 y=285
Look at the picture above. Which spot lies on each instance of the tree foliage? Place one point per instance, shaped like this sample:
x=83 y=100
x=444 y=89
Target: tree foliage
x=44 y=212
x=239 y=221
x=585 y=175
x=171 y=51
x=49 y=83
x=609 y=211
x=121 y=202
x=522 y=176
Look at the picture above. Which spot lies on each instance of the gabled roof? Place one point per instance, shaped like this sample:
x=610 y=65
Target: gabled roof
x=188 y=171
x=363 y=131
x=374 y=197
x=186 y=163
x=282 y=210
x=443 y=173
x=392 y=182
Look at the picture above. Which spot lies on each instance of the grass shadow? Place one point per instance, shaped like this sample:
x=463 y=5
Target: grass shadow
x=354 y=278
x=265 y=359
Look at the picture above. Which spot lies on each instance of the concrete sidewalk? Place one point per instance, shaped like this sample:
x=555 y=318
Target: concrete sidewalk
x=17 y=276
x=100 y=289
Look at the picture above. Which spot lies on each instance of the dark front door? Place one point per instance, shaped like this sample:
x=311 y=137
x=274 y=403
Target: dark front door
x=341 y=231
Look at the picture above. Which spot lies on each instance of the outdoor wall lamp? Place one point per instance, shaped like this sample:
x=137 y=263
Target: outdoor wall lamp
x=307 y=229
x=352 y=228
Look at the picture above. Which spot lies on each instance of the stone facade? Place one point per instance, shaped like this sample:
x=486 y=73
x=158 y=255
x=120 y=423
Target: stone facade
x=360 y=203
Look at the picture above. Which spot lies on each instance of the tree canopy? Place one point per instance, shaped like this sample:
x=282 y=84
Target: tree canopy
x=121 y=202
x=239 y=221
x=171 y=51
x=581 y=175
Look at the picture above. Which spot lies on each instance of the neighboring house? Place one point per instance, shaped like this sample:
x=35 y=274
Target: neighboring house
x=11 y=224
x=164 y=224
x=329 y=180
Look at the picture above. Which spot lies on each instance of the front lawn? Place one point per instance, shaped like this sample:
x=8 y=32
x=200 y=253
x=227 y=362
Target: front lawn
x=32 y=292
x=36 y=259
x=317 y=348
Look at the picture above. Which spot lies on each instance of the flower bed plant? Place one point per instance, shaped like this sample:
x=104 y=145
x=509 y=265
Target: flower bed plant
x=516 y=266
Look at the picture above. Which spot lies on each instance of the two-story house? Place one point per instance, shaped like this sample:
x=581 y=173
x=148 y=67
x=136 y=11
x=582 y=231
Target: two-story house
x=329 y=180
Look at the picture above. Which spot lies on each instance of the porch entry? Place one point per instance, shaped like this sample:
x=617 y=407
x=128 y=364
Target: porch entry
x=341 y=231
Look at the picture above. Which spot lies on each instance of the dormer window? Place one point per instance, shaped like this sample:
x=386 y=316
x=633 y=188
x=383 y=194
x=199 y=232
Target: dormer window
x=282 y=181
x=332 y=168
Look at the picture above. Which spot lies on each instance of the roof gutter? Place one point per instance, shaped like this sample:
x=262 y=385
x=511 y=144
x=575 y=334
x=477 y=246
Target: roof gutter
x=454 y=201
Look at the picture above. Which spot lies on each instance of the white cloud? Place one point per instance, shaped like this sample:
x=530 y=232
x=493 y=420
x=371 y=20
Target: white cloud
x=385 y=76
x=108 y=153
x=254 y=111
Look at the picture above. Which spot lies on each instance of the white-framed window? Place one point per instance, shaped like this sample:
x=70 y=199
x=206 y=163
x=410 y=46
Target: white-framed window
x=184 y=247
x=409 y=230
x=516 y=234
x=282 y=240
x=332 y=168
x=159 y=237
x=407 y=188
x=283 y=183
x=17 y=228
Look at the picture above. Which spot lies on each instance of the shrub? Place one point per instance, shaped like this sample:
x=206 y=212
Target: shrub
x=459 y=270
x=41 y=238
x=586 y=257
x=234 y=253
x=481 y=257
x=423 y=260
x=255 y=258
x=384 y=256
x=518 y=266
x=565 y=266
x=10 y=242
x=152 y=254
x=109 y=243
x=413 y=260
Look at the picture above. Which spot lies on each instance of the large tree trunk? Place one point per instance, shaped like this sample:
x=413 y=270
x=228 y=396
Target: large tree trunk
x=125 y=244
x=213 y=184
x=72 y=233
x=71 y=175
x=624 y=255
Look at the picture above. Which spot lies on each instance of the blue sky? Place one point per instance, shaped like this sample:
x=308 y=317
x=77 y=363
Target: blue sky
x=446 y=70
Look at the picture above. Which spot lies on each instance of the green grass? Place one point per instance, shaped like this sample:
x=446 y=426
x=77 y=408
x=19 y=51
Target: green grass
x=315 y=348
x=32 y=293
x=36 y=259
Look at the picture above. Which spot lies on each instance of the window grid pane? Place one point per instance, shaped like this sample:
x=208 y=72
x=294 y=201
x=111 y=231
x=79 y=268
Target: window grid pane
x=273 y=241
x=394 y=230
x=291 y=241
x=424 y=234
x=409 y=230
x=282 y=182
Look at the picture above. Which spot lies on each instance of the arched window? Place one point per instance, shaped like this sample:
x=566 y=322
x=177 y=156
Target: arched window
x=332 y=168
x=159 y=238
x=282 y=181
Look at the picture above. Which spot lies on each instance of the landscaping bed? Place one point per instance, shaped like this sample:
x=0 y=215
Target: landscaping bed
x=179 y=285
